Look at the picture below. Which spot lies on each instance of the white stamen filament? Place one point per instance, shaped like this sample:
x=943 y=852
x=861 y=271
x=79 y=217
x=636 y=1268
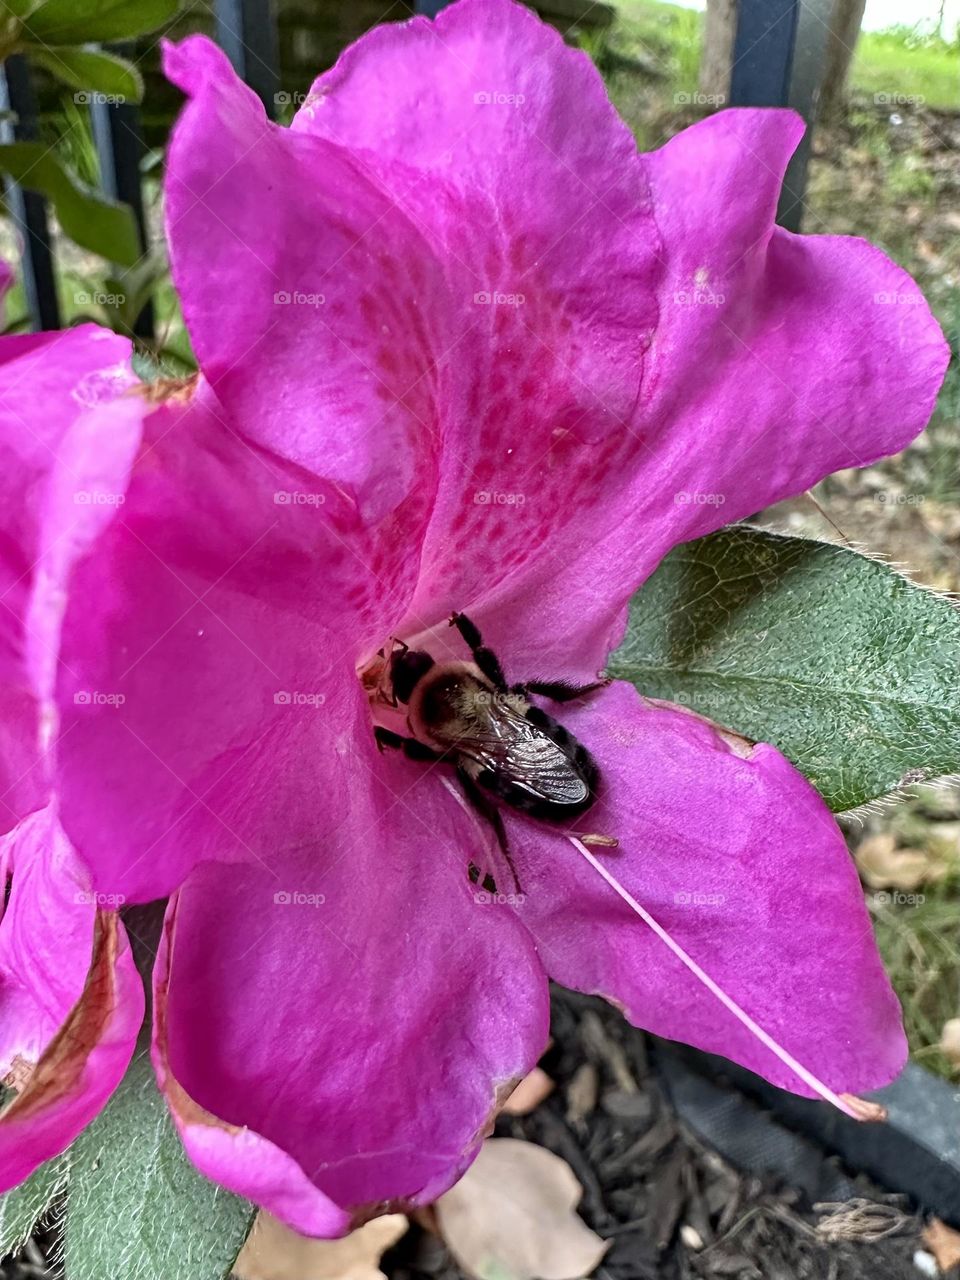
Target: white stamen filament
x=786 y=1058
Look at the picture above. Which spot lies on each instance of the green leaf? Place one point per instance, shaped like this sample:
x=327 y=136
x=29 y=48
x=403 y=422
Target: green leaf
x=79 y=21
x=840 y=662
x=12 y=16
x=137 y=1208
x=103 y=226
x=23 y=1207
x=20 y=9
x=90 y=71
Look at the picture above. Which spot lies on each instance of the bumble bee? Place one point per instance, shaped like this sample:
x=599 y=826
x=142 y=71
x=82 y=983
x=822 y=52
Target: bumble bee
x=501 y=745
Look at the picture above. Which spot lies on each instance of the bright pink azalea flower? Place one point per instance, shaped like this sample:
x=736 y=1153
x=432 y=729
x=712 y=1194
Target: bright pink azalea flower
x=462 y=349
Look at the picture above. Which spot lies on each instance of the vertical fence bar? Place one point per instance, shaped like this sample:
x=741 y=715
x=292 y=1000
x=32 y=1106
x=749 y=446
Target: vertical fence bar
x=247 y=33
x=806 y=78
x=119 y=142
x=778 y=56
x=29 y=209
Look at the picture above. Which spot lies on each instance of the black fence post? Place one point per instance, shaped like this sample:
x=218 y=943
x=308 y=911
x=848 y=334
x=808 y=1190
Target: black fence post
x=119 y=142
x=247 y=33
x=778 y=60
x=28 y=208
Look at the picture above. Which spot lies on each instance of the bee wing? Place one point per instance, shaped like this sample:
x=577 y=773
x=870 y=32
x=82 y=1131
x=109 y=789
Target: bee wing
x=521 y=753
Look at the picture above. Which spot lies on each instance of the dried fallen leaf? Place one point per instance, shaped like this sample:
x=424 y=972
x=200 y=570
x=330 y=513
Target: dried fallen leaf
x=511 y=1217
x=274 y=1252
x=950 y=1040
x=943 y=1242
x=582 y=1092
x=884 y=866
x=529 y=1093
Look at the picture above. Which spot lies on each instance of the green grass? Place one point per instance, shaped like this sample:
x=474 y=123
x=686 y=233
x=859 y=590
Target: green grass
x=651 y=56
x=897 y=62
x=669 y=35
x=905 y=69
x=920 y=946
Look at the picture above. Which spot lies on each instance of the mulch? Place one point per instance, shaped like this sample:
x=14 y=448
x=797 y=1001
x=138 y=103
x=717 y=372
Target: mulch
x=671 y=1205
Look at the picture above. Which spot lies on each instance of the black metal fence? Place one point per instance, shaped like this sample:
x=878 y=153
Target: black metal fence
x=777 y=61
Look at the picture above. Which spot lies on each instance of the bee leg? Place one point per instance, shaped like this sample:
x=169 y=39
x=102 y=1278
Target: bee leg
x=560 y=690
x=488 y=810
x=485 y=658
x=410 y=747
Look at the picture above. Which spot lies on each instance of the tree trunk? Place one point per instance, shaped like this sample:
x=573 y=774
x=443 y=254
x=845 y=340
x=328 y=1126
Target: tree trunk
x=719 y=30
x=844 y=29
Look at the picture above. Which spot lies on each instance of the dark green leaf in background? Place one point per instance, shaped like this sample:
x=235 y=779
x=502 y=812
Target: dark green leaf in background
x=95 y=223
x=79 y=21
x=89 y=69
x=851 y=670
x=136 y=1208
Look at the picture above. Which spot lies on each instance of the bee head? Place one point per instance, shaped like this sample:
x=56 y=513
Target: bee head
x=407 y=667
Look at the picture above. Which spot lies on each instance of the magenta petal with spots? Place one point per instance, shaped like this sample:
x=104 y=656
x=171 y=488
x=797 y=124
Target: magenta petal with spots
x=71 y=1001
x=739 y=859
x=662 y=359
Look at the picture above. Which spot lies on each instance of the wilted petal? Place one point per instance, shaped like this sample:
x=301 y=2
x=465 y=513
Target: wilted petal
x=350 y=1009
x=734 y=854
x=71 y=1001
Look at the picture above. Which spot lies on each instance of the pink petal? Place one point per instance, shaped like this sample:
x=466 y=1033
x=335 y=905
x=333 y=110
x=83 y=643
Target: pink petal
x=621 y=408
x=51 y=386
x=351 y=1012
x=735 y=855
x=201 y=686
x=317 y=309
x=71 y=1001
x=540 y=194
